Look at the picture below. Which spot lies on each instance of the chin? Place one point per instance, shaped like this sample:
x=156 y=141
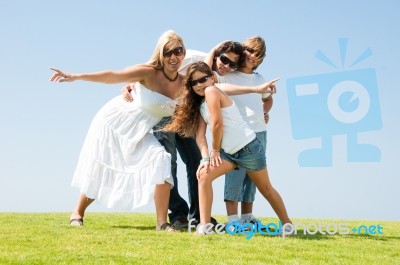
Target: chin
x=221 y=73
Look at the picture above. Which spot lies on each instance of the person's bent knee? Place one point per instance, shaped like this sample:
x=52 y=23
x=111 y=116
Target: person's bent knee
x=165 y=184
x=267 y=191
x=205 y=177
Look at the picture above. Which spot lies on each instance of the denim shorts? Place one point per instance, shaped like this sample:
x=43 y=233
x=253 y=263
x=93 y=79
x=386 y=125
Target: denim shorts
x=250 y=157
x=238 y=185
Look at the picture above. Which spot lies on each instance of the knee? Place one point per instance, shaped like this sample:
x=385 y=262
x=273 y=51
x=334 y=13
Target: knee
x=166 y=186
x=205 y=178
x=268 y=191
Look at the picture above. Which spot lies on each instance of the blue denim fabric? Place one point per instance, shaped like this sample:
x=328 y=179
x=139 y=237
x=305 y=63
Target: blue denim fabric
x=238 y=185
x=251 y=157
x=190 y=155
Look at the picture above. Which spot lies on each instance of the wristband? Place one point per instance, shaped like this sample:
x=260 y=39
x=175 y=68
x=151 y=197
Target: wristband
x=205 y=159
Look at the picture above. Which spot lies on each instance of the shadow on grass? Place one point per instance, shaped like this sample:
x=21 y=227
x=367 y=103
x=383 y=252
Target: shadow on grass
x=135 y=227
x=300 y=235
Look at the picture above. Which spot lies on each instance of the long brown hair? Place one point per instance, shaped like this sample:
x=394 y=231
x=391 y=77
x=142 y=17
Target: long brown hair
x=187 y=114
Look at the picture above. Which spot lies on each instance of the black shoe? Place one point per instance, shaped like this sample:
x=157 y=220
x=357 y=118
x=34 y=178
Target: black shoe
x=214 y=221
x=197 y=222
x=180 y=223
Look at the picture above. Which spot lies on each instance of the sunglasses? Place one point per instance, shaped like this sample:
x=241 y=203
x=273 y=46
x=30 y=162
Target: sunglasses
x=177 y=52
x=199 y=81
x=225 y=60
x=251 y=51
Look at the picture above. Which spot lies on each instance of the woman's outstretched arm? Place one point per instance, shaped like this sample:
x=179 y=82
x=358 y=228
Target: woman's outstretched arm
x=127 y=75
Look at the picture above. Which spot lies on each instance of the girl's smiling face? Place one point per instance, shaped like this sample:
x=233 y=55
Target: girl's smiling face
x=200 y=81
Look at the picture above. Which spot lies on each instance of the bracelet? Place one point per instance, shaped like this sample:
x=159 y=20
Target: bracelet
x=205 y=159
x=215 y=151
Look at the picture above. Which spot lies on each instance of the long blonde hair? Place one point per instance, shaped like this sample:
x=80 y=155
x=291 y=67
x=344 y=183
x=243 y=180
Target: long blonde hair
x=187 y=114
x=168 y=37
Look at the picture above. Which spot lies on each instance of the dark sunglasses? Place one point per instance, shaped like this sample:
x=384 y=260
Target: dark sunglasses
x=225 y=60
x=200 y=80
x=251 y=51
x=177 y=52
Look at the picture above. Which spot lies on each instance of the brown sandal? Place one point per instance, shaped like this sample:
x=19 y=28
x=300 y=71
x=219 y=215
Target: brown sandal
x=76 y=222
x=168 y=228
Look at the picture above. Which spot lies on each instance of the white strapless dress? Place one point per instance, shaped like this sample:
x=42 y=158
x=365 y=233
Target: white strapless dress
x=121 y=161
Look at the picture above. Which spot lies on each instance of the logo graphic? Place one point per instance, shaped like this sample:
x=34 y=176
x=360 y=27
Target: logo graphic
x=344 y=102
x=277 y=229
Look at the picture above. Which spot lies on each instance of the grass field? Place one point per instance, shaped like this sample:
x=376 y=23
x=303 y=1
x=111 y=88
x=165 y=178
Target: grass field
x=130 y=238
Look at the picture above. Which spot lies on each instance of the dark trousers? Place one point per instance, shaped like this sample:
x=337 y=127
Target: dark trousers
x=190 y=155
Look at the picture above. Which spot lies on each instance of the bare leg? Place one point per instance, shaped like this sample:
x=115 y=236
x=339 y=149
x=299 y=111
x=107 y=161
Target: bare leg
x=261 y=180
x=247 y=207
x=206 y=191
x=83 y=203
x=231 y=207
x=161 y=201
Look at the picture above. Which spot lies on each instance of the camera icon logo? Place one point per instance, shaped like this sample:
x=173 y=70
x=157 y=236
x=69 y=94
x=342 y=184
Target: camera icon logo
x=324 y=105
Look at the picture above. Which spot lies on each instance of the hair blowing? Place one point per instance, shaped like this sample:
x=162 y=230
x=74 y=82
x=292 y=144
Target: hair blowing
x=187 y=114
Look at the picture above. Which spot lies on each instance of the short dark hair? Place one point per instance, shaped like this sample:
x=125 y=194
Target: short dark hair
x=230 y=46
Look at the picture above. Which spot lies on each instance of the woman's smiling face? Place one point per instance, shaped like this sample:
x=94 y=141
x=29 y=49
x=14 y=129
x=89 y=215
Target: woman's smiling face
x=173 y=56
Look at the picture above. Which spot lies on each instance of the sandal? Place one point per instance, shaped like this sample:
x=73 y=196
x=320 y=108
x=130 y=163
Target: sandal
x=76 y=222
x=168 y=228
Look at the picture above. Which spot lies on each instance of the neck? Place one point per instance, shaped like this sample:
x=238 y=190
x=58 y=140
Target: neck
x=168 y=78
x=246 y=70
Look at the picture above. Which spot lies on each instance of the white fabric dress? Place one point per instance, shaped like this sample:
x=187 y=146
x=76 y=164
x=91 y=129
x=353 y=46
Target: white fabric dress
x=121 y=161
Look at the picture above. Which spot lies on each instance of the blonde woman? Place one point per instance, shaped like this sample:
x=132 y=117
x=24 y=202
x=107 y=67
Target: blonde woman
x=121 y=164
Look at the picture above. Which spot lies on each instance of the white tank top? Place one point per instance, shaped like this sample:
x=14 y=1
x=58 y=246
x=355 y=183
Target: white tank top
x=235 y=132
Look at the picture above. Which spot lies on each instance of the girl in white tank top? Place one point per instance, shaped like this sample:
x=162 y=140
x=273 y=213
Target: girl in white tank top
x=202 y=103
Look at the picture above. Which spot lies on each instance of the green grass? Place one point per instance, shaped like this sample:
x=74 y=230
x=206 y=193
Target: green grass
x=130 y=238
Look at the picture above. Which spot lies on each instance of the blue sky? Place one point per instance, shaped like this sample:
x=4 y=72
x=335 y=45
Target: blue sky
x=43 y=124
